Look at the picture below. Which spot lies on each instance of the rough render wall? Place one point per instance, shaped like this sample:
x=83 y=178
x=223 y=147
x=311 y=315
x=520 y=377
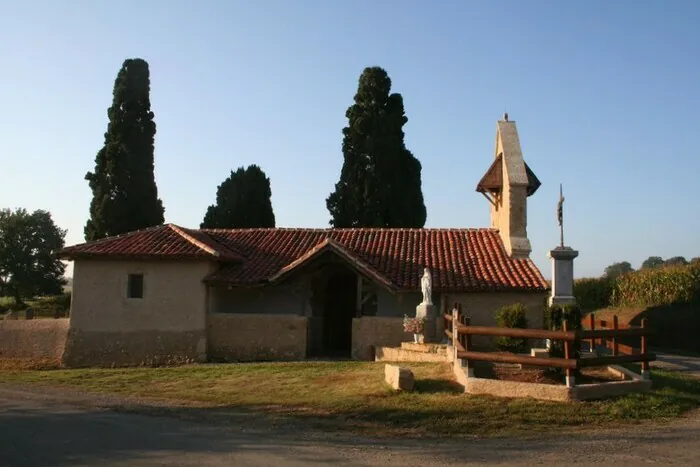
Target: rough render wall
x=167 y=325
x=282 y=299
x=481 y=308
x=33 y=339
x=371 y=331
x=250 y=337
x=396 y=305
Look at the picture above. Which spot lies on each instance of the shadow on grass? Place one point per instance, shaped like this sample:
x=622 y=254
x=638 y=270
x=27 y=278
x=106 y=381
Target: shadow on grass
x=429 y=386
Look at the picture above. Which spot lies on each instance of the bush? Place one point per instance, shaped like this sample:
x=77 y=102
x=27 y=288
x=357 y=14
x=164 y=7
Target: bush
x=555 y=316
x=594 y=293
x=512 y=316
x=659 y=286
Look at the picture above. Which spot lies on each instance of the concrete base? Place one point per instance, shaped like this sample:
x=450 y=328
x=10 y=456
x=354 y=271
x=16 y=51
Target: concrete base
x=411 y=352
x=429 y=313
x=552 y=392
x=400 y=379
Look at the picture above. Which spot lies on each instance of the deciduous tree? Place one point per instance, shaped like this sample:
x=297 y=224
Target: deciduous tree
x=653 y=262
x=618 y=269
x=28 y=264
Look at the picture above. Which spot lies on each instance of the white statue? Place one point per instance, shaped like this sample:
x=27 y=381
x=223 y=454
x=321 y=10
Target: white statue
x=426 y=286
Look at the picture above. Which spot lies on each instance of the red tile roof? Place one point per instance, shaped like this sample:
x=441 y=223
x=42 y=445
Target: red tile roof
x=461 y=260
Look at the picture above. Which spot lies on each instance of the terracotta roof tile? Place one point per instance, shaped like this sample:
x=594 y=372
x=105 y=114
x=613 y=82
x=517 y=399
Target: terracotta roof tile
x=459 y=259
x=163 y=241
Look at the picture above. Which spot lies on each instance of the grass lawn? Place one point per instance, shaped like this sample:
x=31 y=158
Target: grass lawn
x=353 y=396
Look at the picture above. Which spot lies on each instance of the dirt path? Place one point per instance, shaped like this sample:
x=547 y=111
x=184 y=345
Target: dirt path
x=48 y=427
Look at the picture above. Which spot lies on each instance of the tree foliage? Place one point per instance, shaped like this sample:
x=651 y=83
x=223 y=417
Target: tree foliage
x=676 y=261
x=380 y=181
x=243 y=200
x=28 y=264
x=617 y=269
x=652 y=262
x=124 y=192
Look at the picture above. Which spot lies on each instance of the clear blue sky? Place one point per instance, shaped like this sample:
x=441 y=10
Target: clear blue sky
x=604 y=95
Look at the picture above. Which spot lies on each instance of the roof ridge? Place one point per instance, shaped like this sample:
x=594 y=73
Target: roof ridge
x=348 y=229
x=182 y=231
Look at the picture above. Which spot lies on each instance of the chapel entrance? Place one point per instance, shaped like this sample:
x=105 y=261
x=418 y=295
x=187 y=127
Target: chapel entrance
x=339 y=310
x=334 y=307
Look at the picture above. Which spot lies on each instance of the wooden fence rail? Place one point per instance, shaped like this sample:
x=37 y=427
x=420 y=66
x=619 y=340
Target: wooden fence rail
x=459 y=330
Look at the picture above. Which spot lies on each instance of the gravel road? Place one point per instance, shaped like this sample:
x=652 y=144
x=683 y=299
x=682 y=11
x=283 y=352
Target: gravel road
x=50 y=427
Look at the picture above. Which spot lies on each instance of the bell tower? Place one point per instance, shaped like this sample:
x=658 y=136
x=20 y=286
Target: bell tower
x=506 y=185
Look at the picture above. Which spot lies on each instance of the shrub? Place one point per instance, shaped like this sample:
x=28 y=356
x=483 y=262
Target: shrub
x=659 y=286
x=594 y=293
x=555 y=316
x=512 y=316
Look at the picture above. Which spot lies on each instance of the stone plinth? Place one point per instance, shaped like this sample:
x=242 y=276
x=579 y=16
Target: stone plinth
x=399 y=378
x=562 y=275
x=429 y=313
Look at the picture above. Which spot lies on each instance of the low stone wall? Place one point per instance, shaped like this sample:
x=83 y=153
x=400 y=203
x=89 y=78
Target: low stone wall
x=371 y=332
x=251 y=337
x=37 y=338
x=119 y=349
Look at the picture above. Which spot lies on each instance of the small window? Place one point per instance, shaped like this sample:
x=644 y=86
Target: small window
x=135 y=286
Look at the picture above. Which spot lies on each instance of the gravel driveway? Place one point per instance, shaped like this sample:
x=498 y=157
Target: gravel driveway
x=50 y=427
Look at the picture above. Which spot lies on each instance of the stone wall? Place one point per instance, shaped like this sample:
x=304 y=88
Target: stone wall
x=38 y=338
x=135 y=348
x=250 y=337
x=370 y=332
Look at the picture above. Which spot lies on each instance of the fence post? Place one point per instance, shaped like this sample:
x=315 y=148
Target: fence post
x=570 y=379
x=591 y=321
x=467 y=343
x=615 y=346
x=646 y=374
x=455 y=336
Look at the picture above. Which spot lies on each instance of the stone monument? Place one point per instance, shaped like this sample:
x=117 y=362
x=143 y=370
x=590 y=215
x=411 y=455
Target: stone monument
x=562 y=264
x=426 y=309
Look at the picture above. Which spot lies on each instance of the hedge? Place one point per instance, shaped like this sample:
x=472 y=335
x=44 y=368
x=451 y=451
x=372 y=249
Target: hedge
x=594 y=293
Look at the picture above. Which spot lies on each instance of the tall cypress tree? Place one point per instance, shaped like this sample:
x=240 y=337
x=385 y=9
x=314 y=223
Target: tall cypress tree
x=243 y=200
x=124 y=192
x=380 y=182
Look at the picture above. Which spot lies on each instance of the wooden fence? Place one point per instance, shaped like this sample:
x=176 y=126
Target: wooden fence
x=459 y=331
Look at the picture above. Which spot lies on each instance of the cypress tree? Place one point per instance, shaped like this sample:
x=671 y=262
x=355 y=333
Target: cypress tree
x=380 y=182
x=243 y=200
x=124 y=192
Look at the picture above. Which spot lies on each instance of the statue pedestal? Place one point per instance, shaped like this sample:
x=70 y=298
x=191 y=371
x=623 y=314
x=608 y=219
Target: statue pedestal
x=429 y=313
x=562 y=276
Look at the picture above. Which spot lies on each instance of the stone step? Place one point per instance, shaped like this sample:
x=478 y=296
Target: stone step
x=401 y=354
x=440 y=349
